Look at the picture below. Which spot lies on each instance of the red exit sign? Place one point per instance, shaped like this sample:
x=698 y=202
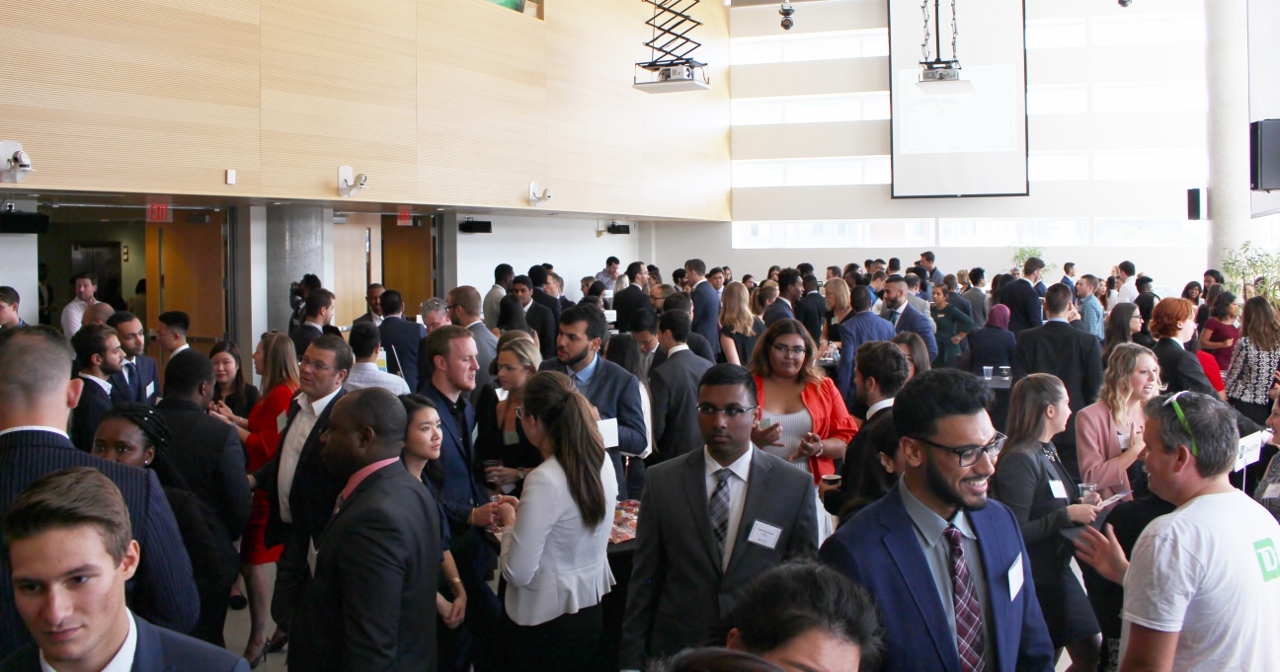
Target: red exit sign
x=159 y=212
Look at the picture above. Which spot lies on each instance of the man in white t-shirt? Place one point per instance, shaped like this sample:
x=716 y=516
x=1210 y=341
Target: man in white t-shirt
x=1202 y=589
x=1126 y=286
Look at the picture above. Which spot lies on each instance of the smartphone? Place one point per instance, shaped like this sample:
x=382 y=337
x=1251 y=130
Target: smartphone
x=766 y=423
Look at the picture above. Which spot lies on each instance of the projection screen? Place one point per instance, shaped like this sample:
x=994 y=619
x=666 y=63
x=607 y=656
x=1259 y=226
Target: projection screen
x=966 y=140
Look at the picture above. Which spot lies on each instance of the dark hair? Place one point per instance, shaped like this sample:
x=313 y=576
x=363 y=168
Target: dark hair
x=1216 y=275
x=1088 y=279
x=861 y=299
x=176 y=320
x=89 y=341
x=715 y=270
x=1186 y=290
x=678 y=323
x=538 y=275
x=364 y=339
x=9 y=295
x=1210 y=425
x=885 y=363
x=928 y=256
x=596 y=289
x=810 y=283
x=412 y=404
x=1057 y=298
x=760 y=363
x=522 y=280
x=714 y=659
x=185 y=371
x=575 y=438
x=1030 y=398
x=805 y=268
x=1142 y=281
x=511 y=315
x=503 y=273
x=391 y=302
x=919 y=351
x=1117 y=330
x=1068 y=267
x=310 y=281
x=696 y=265
x=67 y=499
x=677 y=301
x=625 y=352
x=592 y=315
x=120 y=317
x=1031 y=265
x=634 y=269
x=787 y=277
x=977 y=274
x=1127 y=268
x=342 y=357
x=87 y=275
x=376 y=408
x=837 y=272
x=655 y=274
x=611 y=261
x=874 y=481
x=678 y=275
x=156 y=432
x=730 y=374
x=940 y=393
x=237 y=385
x=319 y=299
x=1259 y=324
x=1221 y=308
x=644 y=320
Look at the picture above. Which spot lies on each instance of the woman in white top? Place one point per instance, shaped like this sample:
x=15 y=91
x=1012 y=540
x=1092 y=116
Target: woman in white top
x=554 y=549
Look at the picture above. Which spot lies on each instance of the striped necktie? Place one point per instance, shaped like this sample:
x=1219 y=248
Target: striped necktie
x=969 y=634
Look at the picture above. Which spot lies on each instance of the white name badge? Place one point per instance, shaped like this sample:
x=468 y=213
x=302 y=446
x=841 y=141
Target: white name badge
x=1272 y=491
x=1250 y=449
x=1058 y=489
x=609 y=432
x=1015 y=578
x=151 y=388
x=281 y=421
x=764 y=534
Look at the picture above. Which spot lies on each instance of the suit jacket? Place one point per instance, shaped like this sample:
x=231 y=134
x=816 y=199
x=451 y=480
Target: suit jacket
x=492 y=305
x=208 y=454
x=367 y=317
x=915 y=321
x=678 y=591
x=148 y=376
x=626 y=303
x=159 y=650
x=1180 y=370
x=878 y=550
x=314 y=489
x=978 y=303
x=954 y=298
x=991 y=346
x=778 y=311
x=486 y=352
x=1075 y=357
x=859 y=328
x=303 y=336
x=863 y=451
x=551 y=303
x=674 y=387
x=1024 y=305
x=547 y=325
x=162 y=590
x=812 y=312
x=461 y=491
x=706 y=314
x=376 y=574
x=94 y=403
x=1021 y=483
x=401 y=340
x=697 y=344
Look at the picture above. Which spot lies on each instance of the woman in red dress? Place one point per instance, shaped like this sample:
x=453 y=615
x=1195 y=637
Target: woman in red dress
x=275 y=360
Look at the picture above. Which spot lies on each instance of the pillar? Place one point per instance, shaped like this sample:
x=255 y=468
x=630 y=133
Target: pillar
x=299 y=241
x=1227 y=75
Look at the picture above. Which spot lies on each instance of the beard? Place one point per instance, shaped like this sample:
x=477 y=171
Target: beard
x=574 y=360
x=939 y=486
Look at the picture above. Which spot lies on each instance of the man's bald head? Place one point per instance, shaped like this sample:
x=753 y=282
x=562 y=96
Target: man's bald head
x=98 y=313
x=35 y=366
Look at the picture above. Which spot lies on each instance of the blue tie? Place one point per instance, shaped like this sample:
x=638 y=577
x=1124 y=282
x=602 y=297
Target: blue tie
x=131 y=374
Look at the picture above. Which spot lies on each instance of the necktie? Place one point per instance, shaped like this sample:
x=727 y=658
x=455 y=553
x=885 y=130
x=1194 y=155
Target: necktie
x=131 y=373
x=719 y=508
x=894 y=318
x=969 y=635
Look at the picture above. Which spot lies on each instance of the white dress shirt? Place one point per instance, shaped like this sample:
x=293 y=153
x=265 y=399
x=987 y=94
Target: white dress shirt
x=367 y=374
x=36 y=428
x=103 y=383
x=1128 y=292
x=180 y=348
x=737 y=484
x=73 y=317
x=291 y=447
x=123 y=660
x=879 y=406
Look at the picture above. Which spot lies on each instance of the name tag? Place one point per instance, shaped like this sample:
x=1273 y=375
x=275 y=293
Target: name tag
x=281 y=421
x=151 y=388
x=764 y=534
x=1058 y=489
x=1272 y=491
x=1015 y=578
x=609 y=432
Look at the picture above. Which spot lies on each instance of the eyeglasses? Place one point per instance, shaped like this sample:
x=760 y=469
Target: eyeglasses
x=1182 y=419
x=312 y=364
x=969 y=455
x=797 y=351
x=730 y=412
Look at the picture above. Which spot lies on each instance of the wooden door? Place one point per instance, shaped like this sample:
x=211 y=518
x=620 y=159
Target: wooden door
x=186 y=261
x=408 y=258
x=357 y=261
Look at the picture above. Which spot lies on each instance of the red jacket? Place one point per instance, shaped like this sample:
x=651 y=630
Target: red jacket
x=831 y=420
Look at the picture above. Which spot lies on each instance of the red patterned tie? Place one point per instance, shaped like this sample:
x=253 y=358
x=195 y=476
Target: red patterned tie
x=969 y=635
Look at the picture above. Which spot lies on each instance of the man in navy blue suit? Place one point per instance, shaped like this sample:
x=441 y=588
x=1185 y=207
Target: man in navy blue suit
x=401 y=339
x=98 y=357
x=71 y=551
x=1022 y=297
x=139 y=377
x=904 y=317
x=864 y=327
x=706 y=303
x=790 y=291
x=947 y=568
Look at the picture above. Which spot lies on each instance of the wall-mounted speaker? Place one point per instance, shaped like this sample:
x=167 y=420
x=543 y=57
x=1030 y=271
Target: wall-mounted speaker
x=619 y=229
x=472 y=226
x=1193 y=204
x=23 y=222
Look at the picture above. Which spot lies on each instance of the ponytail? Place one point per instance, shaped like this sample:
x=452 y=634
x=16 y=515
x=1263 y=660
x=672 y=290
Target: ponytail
x=575 y=439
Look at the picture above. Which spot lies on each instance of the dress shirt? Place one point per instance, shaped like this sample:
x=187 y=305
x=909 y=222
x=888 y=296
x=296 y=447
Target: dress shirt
x=677 y=348
x=124 y=368
x=367 y=374
x=104 y=384
x=358 y=477
x=737 y=485
x=929 y=527
x=603 y=276
x=1057 y=319
x=784 y=300
x=377 y=319
x=36 y=428
x=879 y=406
x=1128 y=292
x=292 y=443
x=583 y=377
x=646 y=364
x=1091 y=315
x=180 y=348
x=73 y=317
x=123 y=660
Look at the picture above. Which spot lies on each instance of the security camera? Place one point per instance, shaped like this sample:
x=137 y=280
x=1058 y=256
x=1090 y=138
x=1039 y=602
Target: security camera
x=361 y=181
x=15 y=164
x=1125 y=3
x=349 y=183
x=786 y=11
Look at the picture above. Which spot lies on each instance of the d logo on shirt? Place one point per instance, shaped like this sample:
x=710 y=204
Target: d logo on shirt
x=1268 y=560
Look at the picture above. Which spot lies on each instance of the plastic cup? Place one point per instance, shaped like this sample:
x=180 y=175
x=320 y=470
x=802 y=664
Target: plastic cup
x=1089 y=493
x=987 y=371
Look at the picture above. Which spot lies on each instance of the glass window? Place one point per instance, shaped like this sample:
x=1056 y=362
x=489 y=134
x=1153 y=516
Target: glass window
x=793 y=48
x=1149 y=232
x=1171 y=28
x=811 y=109
x=809 y=234
x=811 y=172
x=1045 y=232
x=1065 y=99
x=1057 y=33
x=1058 y=166
x=1192 y=165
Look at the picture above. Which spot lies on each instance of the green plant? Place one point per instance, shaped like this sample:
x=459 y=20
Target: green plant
x=1021 y=254
x=1249 y=263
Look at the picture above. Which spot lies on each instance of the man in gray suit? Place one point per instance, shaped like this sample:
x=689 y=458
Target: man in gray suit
x=674 y=386
x=711 y=520
x=464 y=311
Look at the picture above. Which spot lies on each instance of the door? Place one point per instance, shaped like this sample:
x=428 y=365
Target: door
x=186 y=262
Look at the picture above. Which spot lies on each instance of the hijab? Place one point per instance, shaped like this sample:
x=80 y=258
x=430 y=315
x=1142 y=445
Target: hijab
x=998 y=317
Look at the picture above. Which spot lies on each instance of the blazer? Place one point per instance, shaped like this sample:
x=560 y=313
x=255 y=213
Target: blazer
x=553 y=563
x=369 y=605
x=878 y=550
x=542 y=321
x=302 y=337
x=863 y=449
x=831 y=420
x=626 y=303
x=859 y=328
x=978 y=302
x=367 y=317
x=492 y=305
x=208 y=454
x=159 y=650
x=991 y=346
x=94 y=403
x=697 y=344
x=959 y=301
x=915 y=321
x=706 y=314
x=401 y=340
x=1179 y=369
x=1098 y=447
x=674 y=388
x=678 y=591
x=811 y=311
x=1075 y=357
x=1021 y=482
x=461 y=492
x=314 y=489
x=778 y=311
x=551 y=303
x=1024 y=305
x=486 y=352
x=148 y=377
x=162 y=590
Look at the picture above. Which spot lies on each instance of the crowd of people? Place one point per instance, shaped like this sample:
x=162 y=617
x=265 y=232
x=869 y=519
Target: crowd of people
x=887 y=468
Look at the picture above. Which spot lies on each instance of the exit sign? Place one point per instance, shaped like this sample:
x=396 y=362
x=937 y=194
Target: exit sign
x=404 y=218
x=159 y=212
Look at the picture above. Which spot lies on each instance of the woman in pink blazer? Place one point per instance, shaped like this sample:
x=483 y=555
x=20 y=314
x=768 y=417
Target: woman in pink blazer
x=1109 y=441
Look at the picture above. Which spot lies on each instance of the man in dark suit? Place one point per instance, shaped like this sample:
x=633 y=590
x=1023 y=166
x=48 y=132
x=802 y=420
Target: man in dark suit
x=1071 y=354
x=812 y=308
x=904 y=317
x=634 y=297
x=371 y=297
x=882 y=369
x=139 y=377
x=301 y=490
x=706 y=304
x=790 y=290
x=610 y=388
x=98 y=357
x=713 y=519
x=538 y=276
x=378 y=562
x=75 y=522
x=674 y=386
x=208 y=455
x=464 y=311
x=401 y=339
x=38 y=393
x=1022 y=298
x=696 y=342
x=946 y=566
x=540 y=318
x=954 y=297
x=317 y=312
x=864 y=327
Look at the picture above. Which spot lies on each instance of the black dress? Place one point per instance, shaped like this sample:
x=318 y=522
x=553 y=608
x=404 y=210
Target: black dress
x=745 y=345
x=1024 y=481
x=492 y=443
x=241 y=404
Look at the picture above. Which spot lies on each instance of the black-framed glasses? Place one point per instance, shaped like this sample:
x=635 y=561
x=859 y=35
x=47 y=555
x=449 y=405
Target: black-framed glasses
x=796 y=351
x=312 y=364
x=970 y=454
x=729 y=412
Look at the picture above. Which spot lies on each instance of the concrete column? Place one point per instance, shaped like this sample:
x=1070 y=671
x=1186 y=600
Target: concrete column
x=1227 y=74
x=249 y=282
x=299 y=240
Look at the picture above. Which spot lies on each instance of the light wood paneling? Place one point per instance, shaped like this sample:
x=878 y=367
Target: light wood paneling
x=408 y=257
x=353 y=269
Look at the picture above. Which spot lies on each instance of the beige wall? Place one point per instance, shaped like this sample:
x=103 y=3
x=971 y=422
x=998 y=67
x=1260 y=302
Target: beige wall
x=438 y=101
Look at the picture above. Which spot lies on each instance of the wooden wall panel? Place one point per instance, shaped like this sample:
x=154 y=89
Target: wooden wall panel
x=352 y=269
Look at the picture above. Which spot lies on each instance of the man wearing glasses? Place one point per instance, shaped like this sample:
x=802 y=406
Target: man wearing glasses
x=947 y=568
x=712 y=520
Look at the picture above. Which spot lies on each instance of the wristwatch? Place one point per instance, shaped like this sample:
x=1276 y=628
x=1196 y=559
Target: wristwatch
x=520 y=473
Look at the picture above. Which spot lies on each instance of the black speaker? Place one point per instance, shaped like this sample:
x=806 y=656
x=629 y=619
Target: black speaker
x=1193 y=204
x=23 y=222
x=472 y=226
x=619 y=229
x=1264 y=155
